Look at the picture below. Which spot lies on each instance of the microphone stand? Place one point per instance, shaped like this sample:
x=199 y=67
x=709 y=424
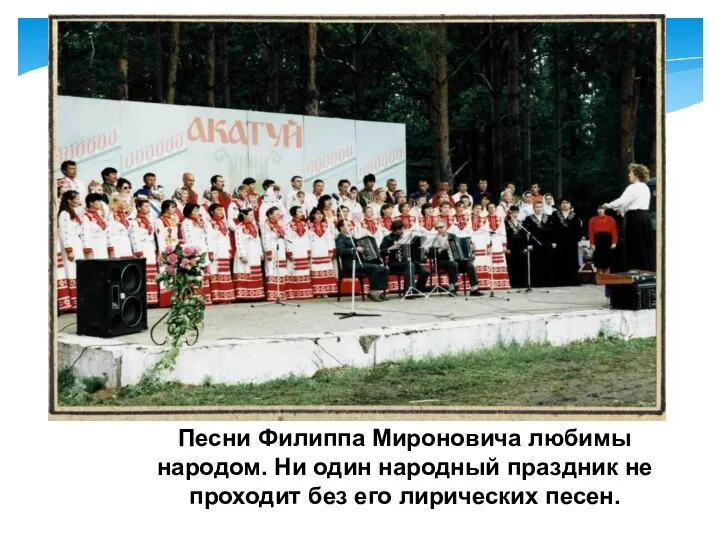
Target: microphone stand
x=353 y=313
x=437 y=289
x=528 y=250
x=276 y=267
x=411 y=291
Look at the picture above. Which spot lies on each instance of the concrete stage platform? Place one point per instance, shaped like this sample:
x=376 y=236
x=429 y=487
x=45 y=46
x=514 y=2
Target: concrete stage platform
x=240 y=343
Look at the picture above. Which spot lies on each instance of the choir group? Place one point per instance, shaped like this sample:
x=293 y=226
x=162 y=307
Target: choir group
x=278 y=245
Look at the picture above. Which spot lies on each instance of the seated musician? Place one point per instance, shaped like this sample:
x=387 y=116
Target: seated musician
x=391 y=249
x=346 y=251
x=451 y=266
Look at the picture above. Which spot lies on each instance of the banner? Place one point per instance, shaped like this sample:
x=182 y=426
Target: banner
x=330 y=153
x=381 y=151
x=88 y=133
x=169 y=140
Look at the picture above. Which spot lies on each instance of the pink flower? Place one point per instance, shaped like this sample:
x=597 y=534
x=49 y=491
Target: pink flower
x=184 y=263
x=188 y=250
x=170 y=270
x=169 y=250
x=172 y=259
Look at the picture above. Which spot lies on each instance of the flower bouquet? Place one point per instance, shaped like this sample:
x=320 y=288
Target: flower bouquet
x=181 y=271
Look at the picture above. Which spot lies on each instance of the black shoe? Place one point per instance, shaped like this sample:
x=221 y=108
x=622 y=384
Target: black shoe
x=476 y=292
x=452 y=291
x=384 y=298
x=374 y=297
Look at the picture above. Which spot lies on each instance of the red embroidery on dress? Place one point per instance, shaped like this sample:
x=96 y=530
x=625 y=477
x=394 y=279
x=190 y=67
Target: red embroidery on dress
x=371 y=225
x=319 y=228
x=298 y=226
x=220 y=225
x=94 y=216
x=144 y=223
x=121 y=217
x=276 y=229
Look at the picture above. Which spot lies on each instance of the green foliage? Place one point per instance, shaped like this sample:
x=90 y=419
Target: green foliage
x=182 y=270
x=395 y=69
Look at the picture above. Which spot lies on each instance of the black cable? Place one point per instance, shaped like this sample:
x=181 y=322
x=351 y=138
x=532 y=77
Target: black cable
x=67 y=326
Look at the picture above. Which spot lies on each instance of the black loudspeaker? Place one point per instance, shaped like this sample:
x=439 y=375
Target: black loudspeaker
x=111 y=298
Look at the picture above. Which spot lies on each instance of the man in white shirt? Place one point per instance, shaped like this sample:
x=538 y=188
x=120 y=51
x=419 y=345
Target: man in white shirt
x=462 y=190
x=70 y=181
x=296 y=184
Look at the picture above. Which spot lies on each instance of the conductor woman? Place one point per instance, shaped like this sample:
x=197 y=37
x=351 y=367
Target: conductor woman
x=634 y=204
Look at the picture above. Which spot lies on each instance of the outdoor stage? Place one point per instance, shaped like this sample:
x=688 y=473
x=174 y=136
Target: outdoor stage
x=240 y=343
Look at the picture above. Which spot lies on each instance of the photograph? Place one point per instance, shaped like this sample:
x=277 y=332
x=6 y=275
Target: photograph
x=357 y=217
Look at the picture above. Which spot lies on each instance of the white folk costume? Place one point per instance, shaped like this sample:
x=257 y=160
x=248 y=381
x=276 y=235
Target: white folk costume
x=119 y=226
x=142 y=238
x=273 y=240
x=457 y=196
x=297 y=241
x=247 y=275
x=480 y=239
x=64 y=304
x=221 y=282
x=193 y=233
x=266 y=205
x=371 y=227
x=291 y=200
x=96 y=236
x=462 y=229
x=71 y=244
x=322 y=271
x=166 y=235
x=410 y=222
x=498 y=278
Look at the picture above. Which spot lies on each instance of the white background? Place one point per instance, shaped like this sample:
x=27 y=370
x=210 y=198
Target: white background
x=99 y=479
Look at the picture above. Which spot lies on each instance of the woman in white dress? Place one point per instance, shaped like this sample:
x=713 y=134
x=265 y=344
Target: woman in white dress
x=479 y=234
x=193 y=232
x=119 y=226
x=221 y=282
x=297 y=241
x=322 y=247
x=95 y=230
x=142 y=238
x=497 y=246
x=273 y=239
x=96 y=187
x=166 y=235
x=71 y=246
x=247 y=271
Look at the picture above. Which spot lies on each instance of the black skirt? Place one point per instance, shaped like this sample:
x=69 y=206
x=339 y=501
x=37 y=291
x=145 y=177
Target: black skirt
x=639 y=241
x=602 y=256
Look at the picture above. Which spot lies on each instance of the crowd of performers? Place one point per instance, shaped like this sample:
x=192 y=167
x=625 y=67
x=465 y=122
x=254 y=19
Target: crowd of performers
x=292 y=245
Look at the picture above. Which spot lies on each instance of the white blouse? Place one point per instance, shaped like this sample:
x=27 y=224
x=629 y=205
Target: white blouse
x=635 y=197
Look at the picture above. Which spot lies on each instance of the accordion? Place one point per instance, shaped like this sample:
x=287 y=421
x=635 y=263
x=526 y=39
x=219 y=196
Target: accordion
x=460 y=248
x=412 y=252
x=371 y=253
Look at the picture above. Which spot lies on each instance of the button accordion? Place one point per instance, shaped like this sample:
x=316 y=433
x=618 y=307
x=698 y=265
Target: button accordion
x=371 y=252
x=411 y=252
x=460 y=248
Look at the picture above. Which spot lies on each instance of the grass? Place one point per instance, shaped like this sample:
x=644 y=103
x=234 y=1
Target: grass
x=602 y=372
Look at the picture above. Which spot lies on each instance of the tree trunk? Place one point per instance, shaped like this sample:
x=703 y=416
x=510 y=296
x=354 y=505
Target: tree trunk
x=558 y=118
x=210 y=57
x=225 y=66
x=439 y=87
x=158 y=63
x=358 y=76
x=527 y=46
x=173 y=61
x=273 y=68
x=123 y=63
x=312 y=95
x=496 y=115
x=628 y=103
x=514 y=172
